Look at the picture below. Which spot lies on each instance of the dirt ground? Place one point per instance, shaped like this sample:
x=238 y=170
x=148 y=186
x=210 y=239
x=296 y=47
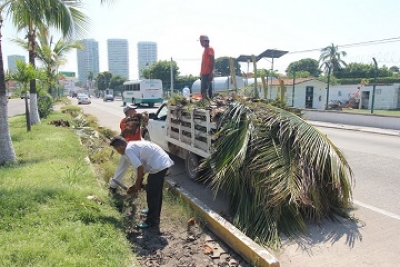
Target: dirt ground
x=181 y=241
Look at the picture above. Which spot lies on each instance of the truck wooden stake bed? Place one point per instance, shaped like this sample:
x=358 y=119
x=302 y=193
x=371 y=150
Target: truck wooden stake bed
x=184 y=132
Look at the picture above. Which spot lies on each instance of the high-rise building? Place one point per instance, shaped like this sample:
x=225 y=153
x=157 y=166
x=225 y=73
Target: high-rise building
x=118 y=57
x=147 y=55
x=12 y=62
x=88 y=59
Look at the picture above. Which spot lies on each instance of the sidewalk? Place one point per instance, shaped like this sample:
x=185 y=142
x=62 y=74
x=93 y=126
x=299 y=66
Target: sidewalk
x=355 y=128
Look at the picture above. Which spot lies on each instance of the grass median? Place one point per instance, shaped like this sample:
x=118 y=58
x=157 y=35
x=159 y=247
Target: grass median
x=46 y=216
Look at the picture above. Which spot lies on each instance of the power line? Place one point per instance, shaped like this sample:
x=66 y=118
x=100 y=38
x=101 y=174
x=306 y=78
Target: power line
x=366 y=43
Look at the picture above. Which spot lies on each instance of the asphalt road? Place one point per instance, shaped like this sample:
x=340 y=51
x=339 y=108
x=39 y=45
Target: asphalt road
x=371 y=241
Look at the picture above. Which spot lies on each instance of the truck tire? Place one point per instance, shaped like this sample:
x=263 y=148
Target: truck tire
x=192 y=162
x=151 y=105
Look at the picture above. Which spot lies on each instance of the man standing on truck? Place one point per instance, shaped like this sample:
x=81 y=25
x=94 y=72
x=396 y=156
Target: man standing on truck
x=145 y=156
x=207 y=67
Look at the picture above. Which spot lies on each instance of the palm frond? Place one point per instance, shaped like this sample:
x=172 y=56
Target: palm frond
x=278 y=170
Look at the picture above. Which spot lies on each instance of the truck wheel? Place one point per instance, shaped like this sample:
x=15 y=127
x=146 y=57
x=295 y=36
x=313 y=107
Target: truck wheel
x=151 y=105
x=191 y=165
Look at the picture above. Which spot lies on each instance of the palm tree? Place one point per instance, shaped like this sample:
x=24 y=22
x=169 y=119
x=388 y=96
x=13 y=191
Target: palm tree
x=330 y=59
x=53 y=56
x=23 y=74
x=278 y=172
x=35 y=15
x=7 y=150
x=90 y=80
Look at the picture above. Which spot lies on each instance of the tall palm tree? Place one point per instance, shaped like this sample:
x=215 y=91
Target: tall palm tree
x=34 y=15
x=7 y=150
x=278 y=172
x=330 y=60
x=53 y=55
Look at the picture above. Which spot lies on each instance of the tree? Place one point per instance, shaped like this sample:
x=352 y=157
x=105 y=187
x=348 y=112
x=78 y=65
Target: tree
x=306 y=64
x=183 y=81
x=162 y=70
x=7 y=150
x=23 y=74
x=331 y=60
x=116 y=82
x=90 y=79
x=222 y=67
x=51 y=55
x=103 y=80
x=34 y=15
x=394 y=69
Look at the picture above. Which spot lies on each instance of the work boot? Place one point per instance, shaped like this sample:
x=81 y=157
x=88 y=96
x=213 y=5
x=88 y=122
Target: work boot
x=144 y=211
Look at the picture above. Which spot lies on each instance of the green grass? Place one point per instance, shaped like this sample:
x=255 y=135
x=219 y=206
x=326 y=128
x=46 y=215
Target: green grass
x=45 y=217
x=384 y=112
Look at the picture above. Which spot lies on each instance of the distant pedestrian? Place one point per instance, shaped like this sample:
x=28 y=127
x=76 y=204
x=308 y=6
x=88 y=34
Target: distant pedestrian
x=145 y=156
x=207 y=67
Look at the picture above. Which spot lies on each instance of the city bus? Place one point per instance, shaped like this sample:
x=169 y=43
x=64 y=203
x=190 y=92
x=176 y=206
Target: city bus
x=147 y=91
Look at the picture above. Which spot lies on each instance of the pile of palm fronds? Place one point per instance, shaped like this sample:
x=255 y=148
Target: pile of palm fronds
x=278 y=172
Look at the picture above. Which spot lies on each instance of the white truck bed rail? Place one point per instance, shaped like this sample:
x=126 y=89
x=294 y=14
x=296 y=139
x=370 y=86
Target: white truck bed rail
x=191 y=129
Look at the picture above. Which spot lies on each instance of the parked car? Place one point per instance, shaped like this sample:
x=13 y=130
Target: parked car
x=83 y=99
x=108 y=97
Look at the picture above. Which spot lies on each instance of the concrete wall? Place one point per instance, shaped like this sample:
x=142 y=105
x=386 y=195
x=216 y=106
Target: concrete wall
x=386 y=96
x=367 y=120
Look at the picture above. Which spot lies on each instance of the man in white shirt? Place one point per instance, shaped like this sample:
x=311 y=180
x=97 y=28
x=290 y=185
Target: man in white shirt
x=145 y=157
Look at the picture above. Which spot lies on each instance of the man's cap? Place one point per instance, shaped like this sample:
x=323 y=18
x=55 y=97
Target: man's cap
x=115 y=138
x=204 y=38
x=128 y=107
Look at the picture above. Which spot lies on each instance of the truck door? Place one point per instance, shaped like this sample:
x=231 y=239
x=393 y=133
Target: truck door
x=157 y=127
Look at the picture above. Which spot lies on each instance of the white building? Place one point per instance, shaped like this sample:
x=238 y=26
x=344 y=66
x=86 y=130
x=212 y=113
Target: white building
x=12 y=61
x=88 y=59
x=118 y=57
x=386 y=96
x=147 y=55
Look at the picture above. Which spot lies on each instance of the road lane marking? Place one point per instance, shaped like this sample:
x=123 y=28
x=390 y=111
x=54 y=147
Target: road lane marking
x=381 y=211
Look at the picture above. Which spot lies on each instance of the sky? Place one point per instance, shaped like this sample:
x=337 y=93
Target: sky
x=239 y=28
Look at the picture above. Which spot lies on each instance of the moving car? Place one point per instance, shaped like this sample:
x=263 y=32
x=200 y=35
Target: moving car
x=108 y=97
x=83 y=99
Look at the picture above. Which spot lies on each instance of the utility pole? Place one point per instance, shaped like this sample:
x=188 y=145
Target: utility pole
x=294 y=82
x=172 y=77
x=374 y=87
x=327 y=88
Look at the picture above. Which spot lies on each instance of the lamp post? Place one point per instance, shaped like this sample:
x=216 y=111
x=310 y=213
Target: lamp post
x=373 y=88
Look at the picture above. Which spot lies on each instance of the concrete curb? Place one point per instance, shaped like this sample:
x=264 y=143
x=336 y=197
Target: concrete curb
x=388 y=132
x=235 y=239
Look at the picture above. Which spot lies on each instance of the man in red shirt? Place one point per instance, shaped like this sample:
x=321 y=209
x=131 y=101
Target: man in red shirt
x=130 y=126
x=207 y=67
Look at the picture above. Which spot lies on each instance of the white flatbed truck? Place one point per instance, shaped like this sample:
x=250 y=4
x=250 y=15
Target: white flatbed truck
x=184 y=132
